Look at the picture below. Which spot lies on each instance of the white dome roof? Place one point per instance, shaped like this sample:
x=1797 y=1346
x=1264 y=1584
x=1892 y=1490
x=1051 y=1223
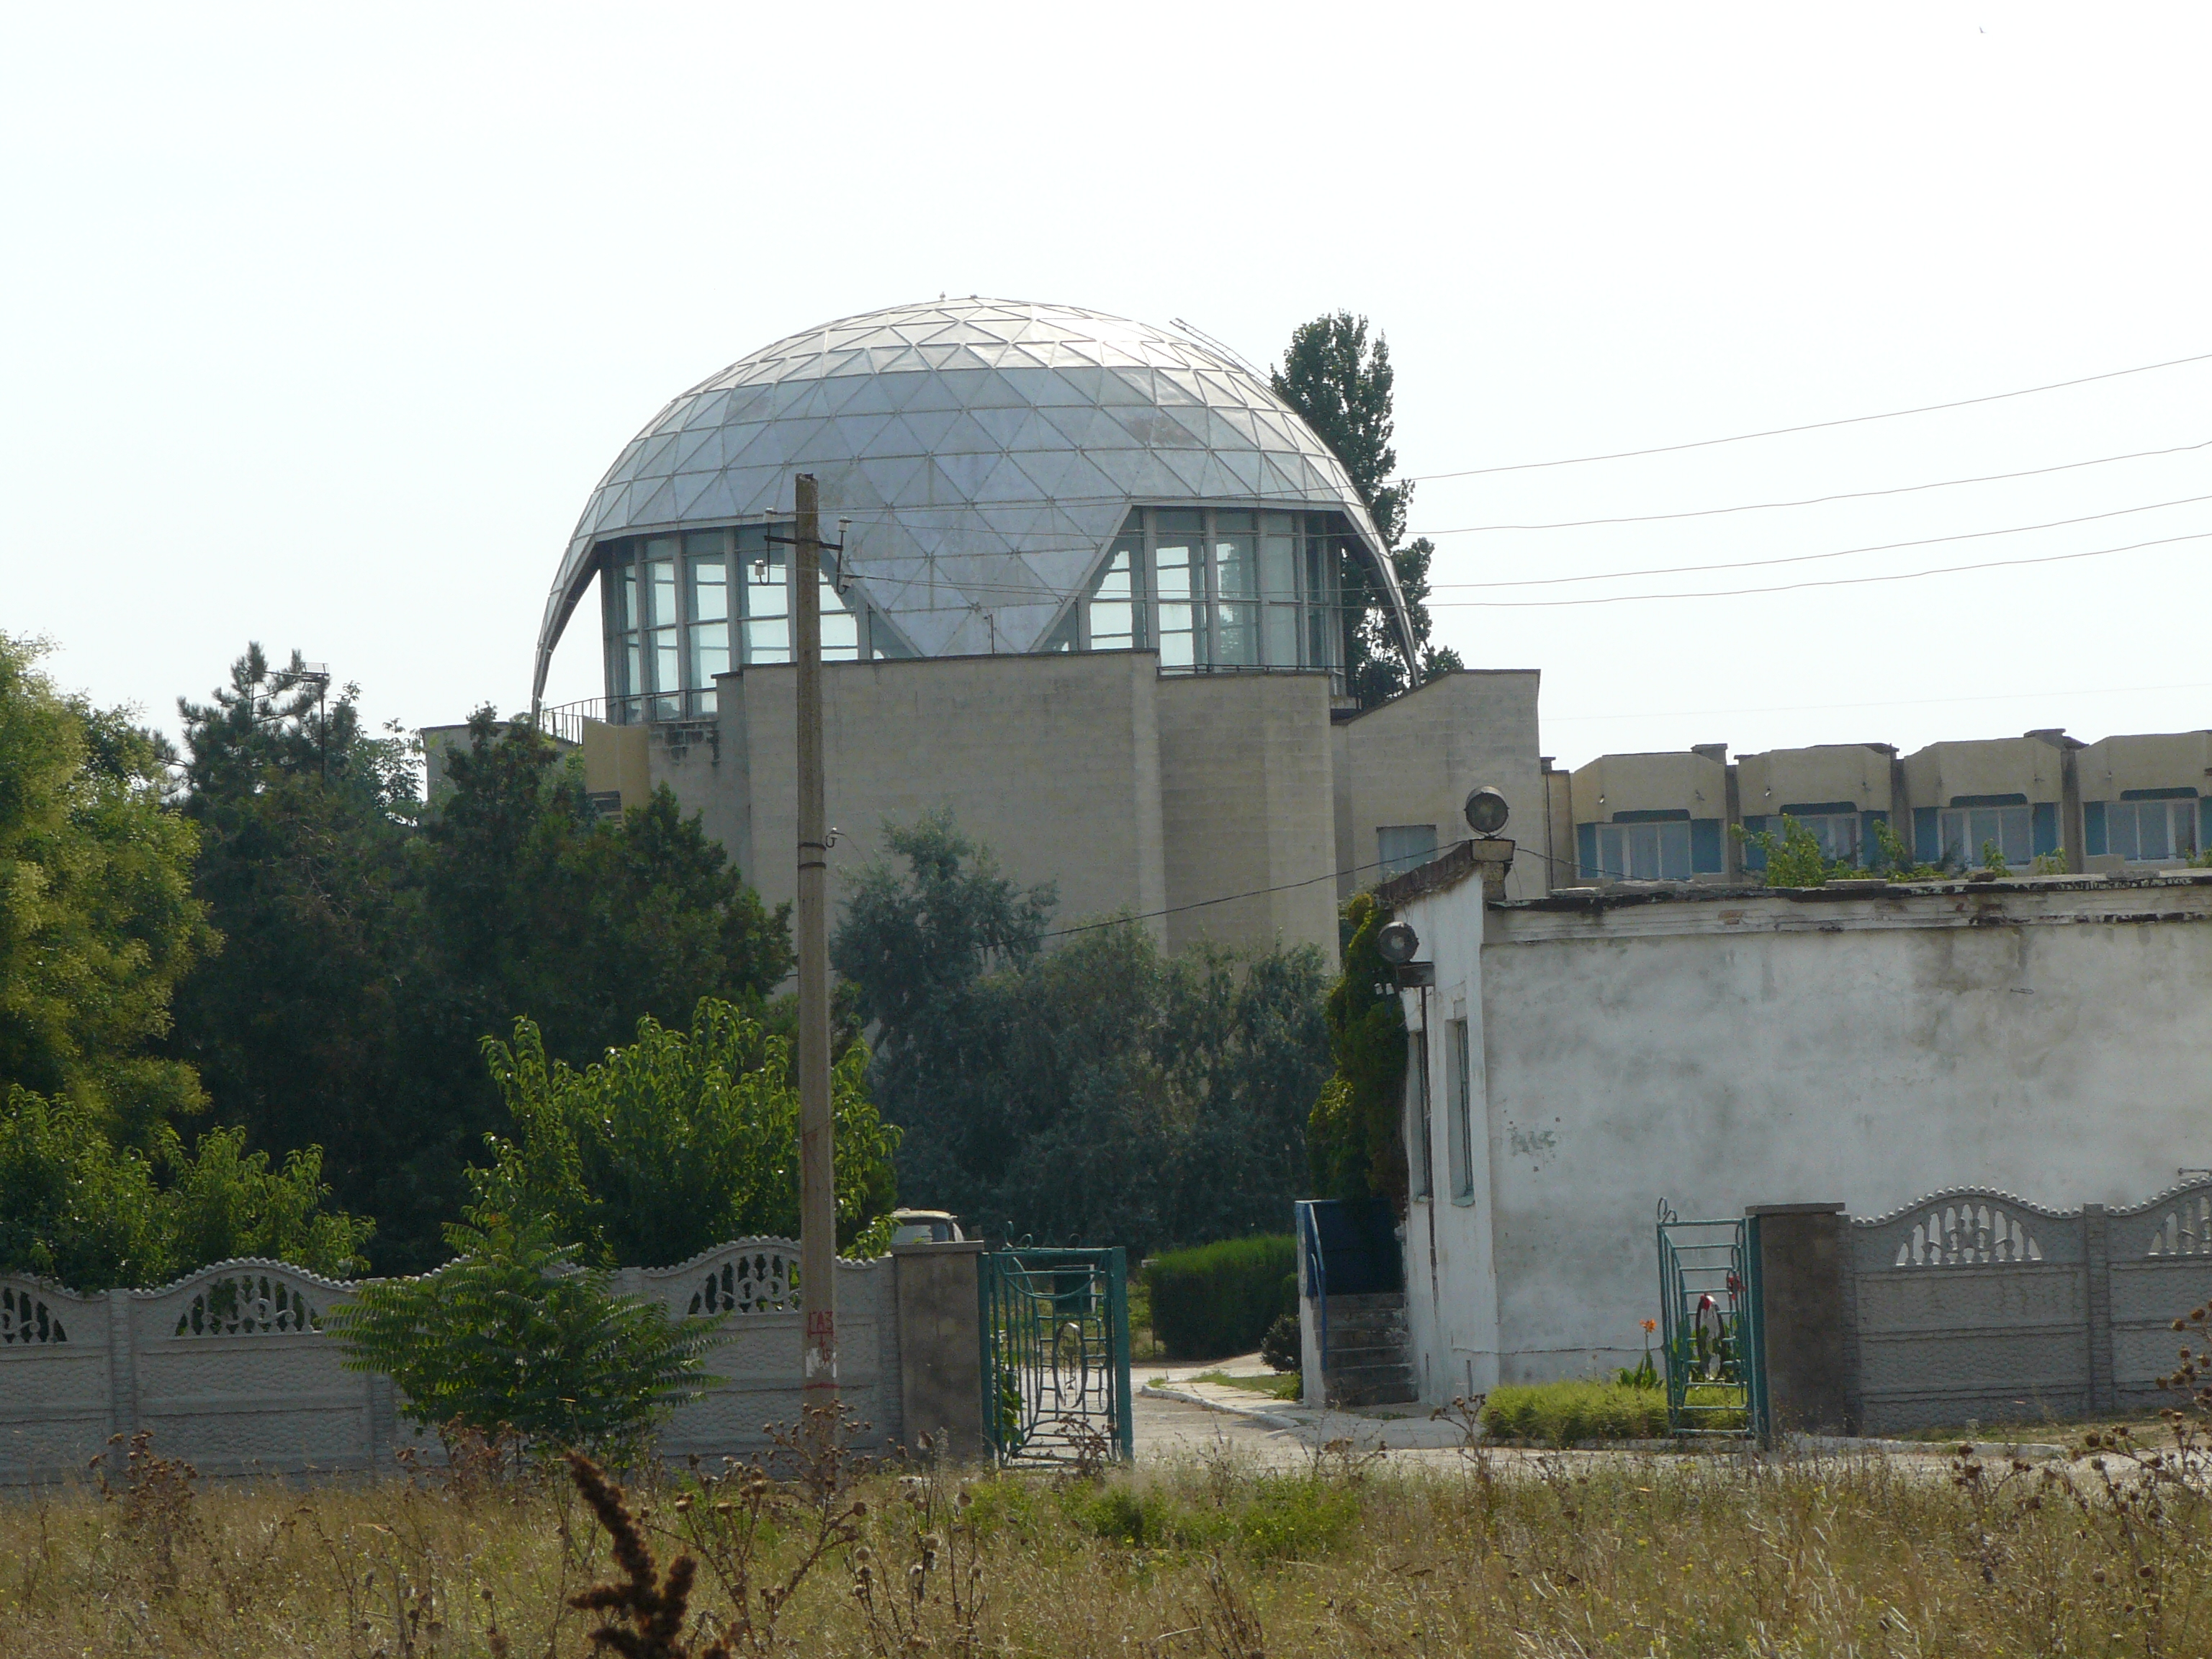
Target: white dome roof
x=986 y=451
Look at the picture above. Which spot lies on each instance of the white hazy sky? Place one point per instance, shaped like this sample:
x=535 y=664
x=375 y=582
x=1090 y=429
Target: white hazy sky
x=319 y=323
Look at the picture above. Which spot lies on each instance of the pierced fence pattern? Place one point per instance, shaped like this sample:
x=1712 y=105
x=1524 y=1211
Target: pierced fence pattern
x=756 y=1281
x=2186 y=1231
x=1976 y=1306
x=1964 y=1235
x=247 y=1304
x=26 y=1318
x=232 y=1367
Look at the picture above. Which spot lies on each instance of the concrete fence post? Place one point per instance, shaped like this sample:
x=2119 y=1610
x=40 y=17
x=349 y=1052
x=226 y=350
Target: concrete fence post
x=122 y=1366
x=1802 y=1314
x=937 y=1288
x=2097 y=1271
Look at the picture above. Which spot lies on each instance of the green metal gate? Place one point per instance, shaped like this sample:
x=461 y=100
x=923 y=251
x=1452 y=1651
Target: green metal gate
x=1055 y=1332
x=1709 y=1309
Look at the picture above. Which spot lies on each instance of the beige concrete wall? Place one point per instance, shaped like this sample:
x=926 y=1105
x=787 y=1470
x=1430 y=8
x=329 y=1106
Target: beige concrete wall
x=1247 y=802
x=615 y=760
x=1560 y=868
x=1414 y=759
x=2158 y=760
x=1856 y=772
x=1052 y=762
x=1942 y=772
x=1673 y=780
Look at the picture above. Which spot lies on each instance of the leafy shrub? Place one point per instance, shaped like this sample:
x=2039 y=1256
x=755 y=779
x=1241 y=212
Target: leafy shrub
x=1560 y=1413
x=1283 y=1346
x=78 y=1208
x=680 y=1141
x=515 y=1335
x=1220 y=1298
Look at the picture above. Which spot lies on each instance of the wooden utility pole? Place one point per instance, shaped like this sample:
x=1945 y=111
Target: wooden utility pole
x=817 y=1187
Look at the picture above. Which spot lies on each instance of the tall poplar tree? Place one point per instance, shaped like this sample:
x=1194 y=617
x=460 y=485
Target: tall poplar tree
x=1340 y=382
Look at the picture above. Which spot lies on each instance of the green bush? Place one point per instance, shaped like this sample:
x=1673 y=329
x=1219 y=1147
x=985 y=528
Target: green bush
x=515 y=1335
x=1219 y=1299
x=1560 y=1413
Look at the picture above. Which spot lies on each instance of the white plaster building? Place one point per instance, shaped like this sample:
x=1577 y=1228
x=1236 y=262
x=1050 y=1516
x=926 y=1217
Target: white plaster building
x=1592 y=1053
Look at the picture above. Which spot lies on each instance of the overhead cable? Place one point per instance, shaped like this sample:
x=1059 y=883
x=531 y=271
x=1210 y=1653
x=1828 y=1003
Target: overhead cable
x=1808 y=426
x=1817 y=501
x=1832 y=581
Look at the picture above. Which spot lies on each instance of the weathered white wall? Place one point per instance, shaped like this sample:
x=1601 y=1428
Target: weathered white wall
x=2050 y=1038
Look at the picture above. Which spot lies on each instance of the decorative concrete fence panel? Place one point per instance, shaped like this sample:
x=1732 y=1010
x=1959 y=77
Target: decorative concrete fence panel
x=57 y=1386
x=2161 y=1268
x=752 y=1284
x=234 y=1368
x=1973 y=1306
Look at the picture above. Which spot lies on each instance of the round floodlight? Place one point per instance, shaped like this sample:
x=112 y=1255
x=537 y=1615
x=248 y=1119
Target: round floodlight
x=1397 y=944
x=1486 y=811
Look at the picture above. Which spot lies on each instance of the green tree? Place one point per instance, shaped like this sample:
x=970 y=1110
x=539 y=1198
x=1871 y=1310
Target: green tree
x=678 y=1142
x=1794 y=858
x=544 y=909
x=372 y=947
x=76 y=1208
x=325 y=1022
x=1103 y=1093
x=1356 y=1139
x=98 y=921
x=514 y=1335
x=1342 y=385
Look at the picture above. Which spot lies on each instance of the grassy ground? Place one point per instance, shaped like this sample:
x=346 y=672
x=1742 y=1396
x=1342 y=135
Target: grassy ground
x=1557 y=1557
x=1283 y=1385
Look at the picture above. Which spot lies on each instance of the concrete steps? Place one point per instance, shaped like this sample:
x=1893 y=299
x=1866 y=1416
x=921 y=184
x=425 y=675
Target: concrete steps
x=1369 y=1361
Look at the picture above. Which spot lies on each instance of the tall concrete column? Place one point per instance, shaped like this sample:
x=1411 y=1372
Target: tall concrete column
x=1800 y=1282
x=940 y=1345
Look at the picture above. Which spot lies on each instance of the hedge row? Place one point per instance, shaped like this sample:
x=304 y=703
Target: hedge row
x=1563 y=1413
x=1219 y=1299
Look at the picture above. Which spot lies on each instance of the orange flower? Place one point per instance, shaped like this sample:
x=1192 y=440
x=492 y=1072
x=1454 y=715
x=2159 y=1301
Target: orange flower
x=1650 y=1326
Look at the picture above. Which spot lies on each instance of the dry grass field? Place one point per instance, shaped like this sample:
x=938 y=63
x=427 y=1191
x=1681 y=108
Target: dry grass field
x=1212 y=1557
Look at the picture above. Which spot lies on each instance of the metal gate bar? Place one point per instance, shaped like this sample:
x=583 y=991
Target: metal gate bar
x=1709 y=1307
x=1055 y=1335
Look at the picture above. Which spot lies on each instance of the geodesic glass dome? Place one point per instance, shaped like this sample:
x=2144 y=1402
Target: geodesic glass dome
x=1009 y=477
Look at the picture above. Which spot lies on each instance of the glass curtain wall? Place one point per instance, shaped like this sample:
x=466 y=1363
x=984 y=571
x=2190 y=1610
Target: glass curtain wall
x=680 y=610
x=1217 y=590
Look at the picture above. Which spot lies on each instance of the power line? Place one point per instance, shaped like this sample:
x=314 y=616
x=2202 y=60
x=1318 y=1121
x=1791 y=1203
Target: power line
x=1014 y=593
x=1817 y=501
x=1808 y=426
x=1200 y=904
x=1891 y=703
x=1839 y=553
x=1833 y=581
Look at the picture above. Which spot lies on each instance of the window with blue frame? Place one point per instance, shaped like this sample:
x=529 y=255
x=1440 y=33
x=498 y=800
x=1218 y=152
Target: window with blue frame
x=2144 y=826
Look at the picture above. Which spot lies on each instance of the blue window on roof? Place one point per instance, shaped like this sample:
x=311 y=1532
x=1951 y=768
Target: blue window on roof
x=2046 y=828
x=1705 y=858
x=2092 y=828
x=1927 y=836
x=1586 y=849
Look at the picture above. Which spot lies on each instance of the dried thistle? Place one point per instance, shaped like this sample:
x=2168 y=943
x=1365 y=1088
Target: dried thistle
x=652 y=1606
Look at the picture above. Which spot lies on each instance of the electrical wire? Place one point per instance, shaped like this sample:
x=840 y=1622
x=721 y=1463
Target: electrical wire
x=1833 y=581
x=1808 y=426
x=1817 y=501
x=1839 y=553
x=1891 y=703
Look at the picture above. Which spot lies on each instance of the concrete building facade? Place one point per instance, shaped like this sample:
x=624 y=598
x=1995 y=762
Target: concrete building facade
x=1235 y=810
x=2129 y=802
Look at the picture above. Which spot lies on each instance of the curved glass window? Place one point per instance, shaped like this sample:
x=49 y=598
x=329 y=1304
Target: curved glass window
x=1217 y=590
x=679 y=611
